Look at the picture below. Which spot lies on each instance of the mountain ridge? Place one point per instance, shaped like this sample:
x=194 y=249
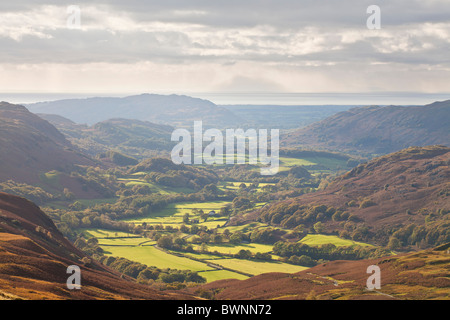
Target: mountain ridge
x=34 y=146
x=377 y=130
x=165 y=109
x=407 y=190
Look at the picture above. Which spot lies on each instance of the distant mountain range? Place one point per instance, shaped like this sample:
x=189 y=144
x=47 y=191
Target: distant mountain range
x=377 y=130
x=175 y=110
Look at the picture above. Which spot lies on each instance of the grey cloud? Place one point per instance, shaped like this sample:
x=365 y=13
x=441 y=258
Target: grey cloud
x=286 y=19
x=287 y=13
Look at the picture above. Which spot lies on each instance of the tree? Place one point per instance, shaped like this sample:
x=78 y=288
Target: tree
x=165 y=242
x=204 y=247
x=217 y=238
x=71 y=220
x=318 y=227
x=77 y=206
x=394 y=243
x=236 y=238
x=68 y=194
x=244 y=254
x=226 y=233
x=180 y=242
x=226 y=210
x=186 y=218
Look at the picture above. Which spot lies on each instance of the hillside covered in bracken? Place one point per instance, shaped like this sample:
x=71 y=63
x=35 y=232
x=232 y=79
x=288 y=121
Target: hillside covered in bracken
x=414 y=276
x=400 y=200
x=34 y=257
x=34 y=146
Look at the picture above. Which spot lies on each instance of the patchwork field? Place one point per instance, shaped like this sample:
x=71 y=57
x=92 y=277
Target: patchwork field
x=143 y=250
x=221 y=275
x=311 y=163
x=228 y=248
x=257 y=267
x=152 y=256
x=138 y=179
x=173 y=214
x=320 y=239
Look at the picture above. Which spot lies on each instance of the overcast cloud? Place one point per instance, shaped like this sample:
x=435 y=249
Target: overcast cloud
x=201 y=46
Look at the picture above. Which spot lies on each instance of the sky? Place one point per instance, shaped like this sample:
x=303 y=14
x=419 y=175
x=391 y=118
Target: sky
x=257 y=46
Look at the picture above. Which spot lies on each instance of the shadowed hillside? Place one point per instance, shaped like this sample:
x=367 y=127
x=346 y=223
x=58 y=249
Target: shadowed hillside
x=139 y=139
x=34 y=257
x=30 y=146
x=377 y=130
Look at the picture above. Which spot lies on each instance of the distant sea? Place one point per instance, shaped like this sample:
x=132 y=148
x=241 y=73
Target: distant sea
x=310 y=99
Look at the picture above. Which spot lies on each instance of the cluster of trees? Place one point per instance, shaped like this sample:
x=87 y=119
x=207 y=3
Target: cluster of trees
x=147 y=274
x=266 y=235
x=139 y=271
x=295 y=177
x=117 y=158
x=164 y=172
x=431 y=234
x=97 y=180
x=89 y=246
x=298 y=252
x=290 y=214
x=32 y=193
x=68 y=221
x=248 y=255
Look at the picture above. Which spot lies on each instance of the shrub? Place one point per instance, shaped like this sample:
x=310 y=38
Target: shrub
x=367 y=203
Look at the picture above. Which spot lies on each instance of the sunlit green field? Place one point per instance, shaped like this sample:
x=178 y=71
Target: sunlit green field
x=136 y=180
x=235 y=185
x=221 y=275
x=228 y=248
x=151 y=256
x=102 y=233
x=131 y=242
x=320 y=239
x=332 y=164
x=257 y=267
x=174 y=212
x=94 y=202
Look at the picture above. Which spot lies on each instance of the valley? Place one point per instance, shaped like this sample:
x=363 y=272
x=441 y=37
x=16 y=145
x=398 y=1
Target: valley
x=202 y=230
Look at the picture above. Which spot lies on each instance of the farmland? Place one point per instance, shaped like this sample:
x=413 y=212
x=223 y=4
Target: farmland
x=320 y=239
x=190 y=229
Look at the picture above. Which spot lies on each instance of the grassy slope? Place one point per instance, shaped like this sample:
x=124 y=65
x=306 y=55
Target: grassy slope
x=320 y=239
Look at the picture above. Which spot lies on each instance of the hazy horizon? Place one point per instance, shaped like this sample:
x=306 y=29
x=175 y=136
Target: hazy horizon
x=240 y=98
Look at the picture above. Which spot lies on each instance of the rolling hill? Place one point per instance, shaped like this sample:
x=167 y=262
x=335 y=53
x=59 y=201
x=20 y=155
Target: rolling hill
x=377 y=130
x=413 y=276
x=174 y=110
x=139 y=139
x=402 y=196
x=34 y=257
x=31 y=146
